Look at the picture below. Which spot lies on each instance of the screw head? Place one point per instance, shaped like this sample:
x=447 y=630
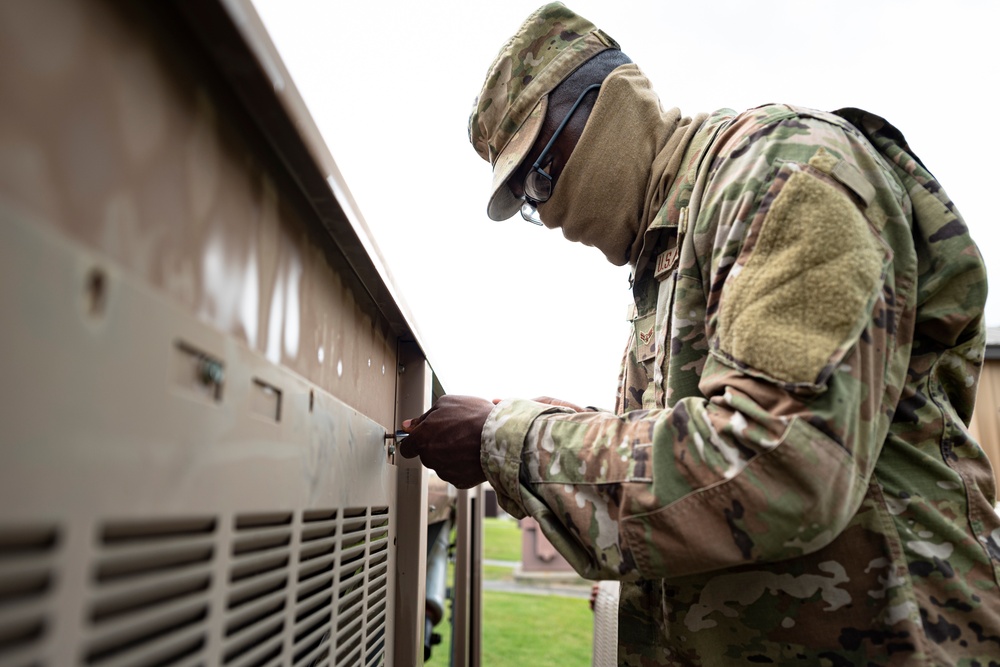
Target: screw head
x=210 y=371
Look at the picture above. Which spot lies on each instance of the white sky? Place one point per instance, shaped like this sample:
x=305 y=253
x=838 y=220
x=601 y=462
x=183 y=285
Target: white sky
x=509 y=309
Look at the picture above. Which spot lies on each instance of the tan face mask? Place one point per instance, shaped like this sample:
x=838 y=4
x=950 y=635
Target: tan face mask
x=621 y=169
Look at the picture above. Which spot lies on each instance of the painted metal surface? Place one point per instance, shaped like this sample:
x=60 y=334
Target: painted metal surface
x=985 y=426
x=116 y=134
x=199 y=356
x=168 y=492
x=415 y=395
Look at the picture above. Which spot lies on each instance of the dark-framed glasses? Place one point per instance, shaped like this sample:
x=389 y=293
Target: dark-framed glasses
x=538 y=183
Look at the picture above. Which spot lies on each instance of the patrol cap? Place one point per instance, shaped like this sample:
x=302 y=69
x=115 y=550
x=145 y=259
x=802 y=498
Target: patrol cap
x=507 y=116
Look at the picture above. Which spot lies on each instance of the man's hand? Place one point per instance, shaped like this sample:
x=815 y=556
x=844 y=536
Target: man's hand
x=448 y=439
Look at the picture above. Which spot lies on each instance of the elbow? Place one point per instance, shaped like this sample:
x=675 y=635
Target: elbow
x=790 y=501
x=801 y=525
x=802 y=495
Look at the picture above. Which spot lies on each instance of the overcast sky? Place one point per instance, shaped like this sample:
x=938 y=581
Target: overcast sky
x=510 y=309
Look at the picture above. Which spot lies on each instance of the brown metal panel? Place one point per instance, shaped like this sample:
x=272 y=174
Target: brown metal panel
x=115 y=132
x=415 y=396
x=198 y=364
x=467 y=613
x=167 y=492
x=985 y=425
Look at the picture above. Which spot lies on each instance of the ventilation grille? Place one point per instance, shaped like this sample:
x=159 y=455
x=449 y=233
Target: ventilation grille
x=151 y=592
x=361 y=589
x=314 y=592
x=283 y=588
x=26 y=580
x=258 y=578
x=378 y=577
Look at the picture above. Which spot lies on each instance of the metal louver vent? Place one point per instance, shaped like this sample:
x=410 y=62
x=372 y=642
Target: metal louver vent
x=350 y=591
x=255 y=616
x=361 y=589
x=151 y=592
x=26 y=582
x=314 y=594
x=378 y=558
x=298 y=588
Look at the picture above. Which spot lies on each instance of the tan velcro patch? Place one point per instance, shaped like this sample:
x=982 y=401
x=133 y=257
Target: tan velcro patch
x=807 y=287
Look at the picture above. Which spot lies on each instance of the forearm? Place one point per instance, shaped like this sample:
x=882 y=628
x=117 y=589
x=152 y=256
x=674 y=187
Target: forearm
x=706 y=485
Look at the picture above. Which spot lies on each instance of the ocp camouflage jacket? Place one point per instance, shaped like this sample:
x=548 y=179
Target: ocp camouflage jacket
x=788 y=478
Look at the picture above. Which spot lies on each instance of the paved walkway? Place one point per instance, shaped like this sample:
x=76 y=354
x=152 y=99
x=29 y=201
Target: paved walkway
x=564 y=590
x=539 y=587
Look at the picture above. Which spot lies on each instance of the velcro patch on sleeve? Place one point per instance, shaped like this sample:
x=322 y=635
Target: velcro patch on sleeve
x=807 y=286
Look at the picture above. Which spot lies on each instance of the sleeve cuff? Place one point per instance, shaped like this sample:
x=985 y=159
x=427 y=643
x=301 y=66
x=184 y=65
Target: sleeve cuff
x=503 y=445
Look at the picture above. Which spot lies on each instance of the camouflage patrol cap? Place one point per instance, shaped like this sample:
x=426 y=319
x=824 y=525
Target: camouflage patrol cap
x=508 y=114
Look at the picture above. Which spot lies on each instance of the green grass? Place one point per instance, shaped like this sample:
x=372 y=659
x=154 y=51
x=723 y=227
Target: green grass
x=523 y=630
x=520 y=629
x=501 y=540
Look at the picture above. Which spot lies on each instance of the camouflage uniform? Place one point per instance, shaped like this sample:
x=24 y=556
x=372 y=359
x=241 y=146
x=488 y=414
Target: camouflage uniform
x=789 y=478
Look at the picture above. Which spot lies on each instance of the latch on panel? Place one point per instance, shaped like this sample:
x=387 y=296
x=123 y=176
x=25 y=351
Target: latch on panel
x=391 y=439
x=197 y=373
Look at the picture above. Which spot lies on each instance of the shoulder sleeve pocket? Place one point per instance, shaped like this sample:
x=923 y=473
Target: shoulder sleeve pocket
x=804 y=284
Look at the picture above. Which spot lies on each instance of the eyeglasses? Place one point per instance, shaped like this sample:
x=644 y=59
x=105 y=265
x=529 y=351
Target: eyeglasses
x=537 y=185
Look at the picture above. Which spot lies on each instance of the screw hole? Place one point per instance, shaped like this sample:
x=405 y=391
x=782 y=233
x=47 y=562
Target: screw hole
x=97 y=292
x=312 y=398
